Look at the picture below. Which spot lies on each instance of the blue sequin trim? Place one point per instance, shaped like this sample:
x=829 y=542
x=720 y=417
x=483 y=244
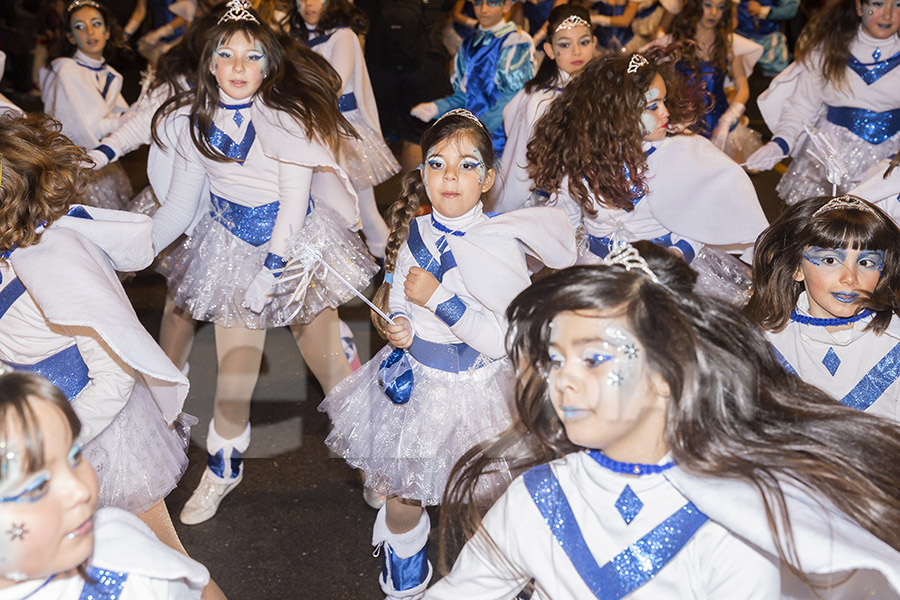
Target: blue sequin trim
x=66 y=370
x=450 y=311
x=223 y=143
x=347 y=102
x=784 y=362
x=600 y=246
x=252 y=224
x=103 y=585
x=617 y=466
x=628 y=505
x=875 y=382
x=872 y=72
x=836 y=321
x=873 y=127
x=831 y=361
x=631 y=568
x=420 y=252
x=274 y=262
x=79 y=212
x=10 y=294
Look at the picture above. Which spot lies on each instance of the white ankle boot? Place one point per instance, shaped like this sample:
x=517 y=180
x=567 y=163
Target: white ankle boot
x=223 y=473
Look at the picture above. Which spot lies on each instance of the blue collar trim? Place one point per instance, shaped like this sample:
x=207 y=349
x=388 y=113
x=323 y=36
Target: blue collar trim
x=227 y=146
x=872 y=72
x=97 y=69
x=626 y=467
x=804 y=320
x=235 y=106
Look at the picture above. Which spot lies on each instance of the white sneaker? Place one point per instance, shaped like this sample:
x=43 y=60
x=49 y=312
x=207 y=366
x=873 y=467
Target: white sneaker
x=373 y=498
x=205 y=500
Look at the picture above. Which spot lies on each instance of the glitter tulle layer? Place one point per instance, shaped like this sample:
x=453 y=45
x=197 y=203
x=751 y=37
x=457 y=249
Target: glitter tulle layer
x=805 y=178
x=409 y=449
x=367 y=160
x=139 y=459
x=742 y=142
x=209 y=273
x=109 y=188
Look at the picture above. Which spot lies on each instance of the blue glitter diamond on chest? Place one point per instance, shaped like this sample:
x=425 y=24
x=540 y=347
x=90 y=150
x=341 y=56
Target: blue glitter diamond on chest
x=831 y=361
x=629 y=505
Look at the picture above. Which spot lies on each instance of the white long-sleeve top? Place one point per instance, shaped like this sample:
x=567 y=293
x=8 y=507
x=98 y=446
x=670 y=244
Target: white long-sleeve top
x=712 y=563
x=140 y=567
x=884 y=192
x=72 y=91
x=857 y=367
x=787 y=110
x=258 y=180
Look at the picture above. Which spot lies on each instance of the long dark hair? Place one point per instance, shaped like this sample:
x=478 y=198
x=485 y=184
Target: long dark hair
x=779 y=253
x=733 y=412
x=829 y=34
x=593 y=129
x=413 y=194
x=115 y=45
x=335 y=13
x=548 y=72
x=297 y=81
x=684 y=28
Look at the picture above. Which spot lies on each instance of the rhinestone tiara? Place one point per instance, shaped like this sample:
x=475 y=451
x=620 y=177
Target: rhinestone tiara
x=845 y=203
x=238 y=10
x=571 y=22
x=637 y=61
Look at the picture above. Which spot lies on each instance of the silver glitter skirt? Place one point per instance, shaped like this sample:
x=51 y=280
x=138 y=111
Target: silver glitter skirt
x=409 y=449
x=367 y=160
x=109 y=188
x=209 y=273
x=805 y=178
x=139 y=459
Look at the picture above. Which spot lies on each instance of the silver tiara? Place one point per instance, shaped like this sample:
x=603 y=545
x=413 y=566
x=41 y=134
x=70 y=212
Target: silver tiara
x=845 y=203
x=637 y=61
x=626 y=255
x=81 y=3
x=238 y=10
x=462 y=113
x=571 y=22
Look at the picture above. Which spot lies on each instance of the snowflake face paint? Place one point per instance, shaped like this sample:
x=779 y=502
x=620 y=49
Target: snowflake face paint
x=87 y=30
x=238 y=65
x=47 y=515
x=834 y=279
x=655 y=116
x=601 y=386
x=455 y=176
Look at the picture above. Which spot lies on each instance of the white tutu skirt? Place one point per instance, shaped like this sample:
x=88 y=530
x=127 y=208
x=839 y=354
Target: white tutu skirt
x=139 y=459
x=409 y=449
x=367 y=160
x=109 y=187
x=144 y=203
x=742 y=142
x=805 y=178
x=209 y=273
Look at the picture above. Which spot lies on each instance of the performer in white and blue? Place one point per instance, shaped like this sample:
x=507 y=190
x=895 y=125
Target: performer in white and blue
x=638 y=182
x=264 y=141
x=844 y=82
x=669 y=470
x=880 y=185
x=825 y=279
x=331 y=29
x=491 y=66
x=81 y=91
x=55 y=543
x=443 y=383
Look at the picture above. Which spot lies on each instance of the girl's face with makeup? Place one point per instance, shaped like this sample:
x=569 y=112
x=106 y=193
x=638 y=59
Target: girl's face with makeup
x=88 y=31
x=602 y=388
x=880 y=18
x=311 y=11
x=834 y=278
x=46 y=516
x=455 y=175
x=655 y=116
x=239 y=65
x=571 y=48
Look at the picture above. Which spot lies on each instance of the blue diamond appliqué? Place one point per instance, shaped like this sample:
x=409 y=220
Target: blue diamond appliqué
x=831 y=361
x=629 y=505
x=877 y=54
x=238 y=118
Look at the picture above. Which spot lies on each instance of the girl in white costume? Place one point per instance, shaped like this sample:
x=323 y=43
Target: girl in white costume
x=621 y=176
x=330 y=28
x=56 y=544
x=675 y=445
x=844 y=82
x=83 y=93
x=569 y=48
x=881 y=186
x=825 y=279
x=443 y=383
x=66 y=317
x=266 y=127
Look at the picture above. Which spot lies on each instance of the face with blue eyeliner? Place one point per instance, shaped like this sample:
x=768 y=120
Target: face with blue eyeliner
x=602 y=388
x=655 y=116
x=455 y=176
x=834 y=278
x=46 y=516
x=239 y=66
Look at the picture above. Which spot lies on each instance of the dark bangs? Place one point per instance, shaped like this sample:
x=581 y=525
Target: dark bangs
x=852 y=229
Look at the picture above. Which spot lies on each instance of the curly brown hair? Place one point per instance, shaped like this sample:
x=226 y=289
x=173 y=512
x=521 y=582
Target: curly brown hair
x=684 y=29
x=829 y=34
x=42 y=172
x=593 y=129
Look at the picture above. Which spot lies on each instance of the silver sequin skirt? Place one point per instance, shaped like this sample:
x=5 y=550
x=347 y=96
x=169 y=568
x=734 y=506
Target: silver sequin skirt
x=409 y=449
x=805 y=178
x=367 y=160
x=209 y=273
x=109 y=187
x=139 y=459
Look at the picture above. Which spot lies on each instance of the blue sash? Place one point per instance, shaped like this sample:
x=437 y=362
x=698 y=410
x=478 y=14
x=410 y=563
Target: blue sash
x=102 y=584
x=874 y=127
x=253 y=225
x=601 y=246
x=221 y=141
x=65 y=369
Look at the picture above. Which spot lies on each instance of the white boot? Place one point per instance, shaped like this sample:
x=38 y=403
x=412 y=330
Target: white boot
x=223 y=473
x=405 y=570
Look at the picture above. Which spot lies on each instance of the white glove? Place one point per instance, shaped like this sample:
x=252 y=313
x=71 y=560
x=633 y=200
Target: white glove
x=726 y=121
x=100 y=159
x=259 y=292
x=425 y=111
x=765 y=158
